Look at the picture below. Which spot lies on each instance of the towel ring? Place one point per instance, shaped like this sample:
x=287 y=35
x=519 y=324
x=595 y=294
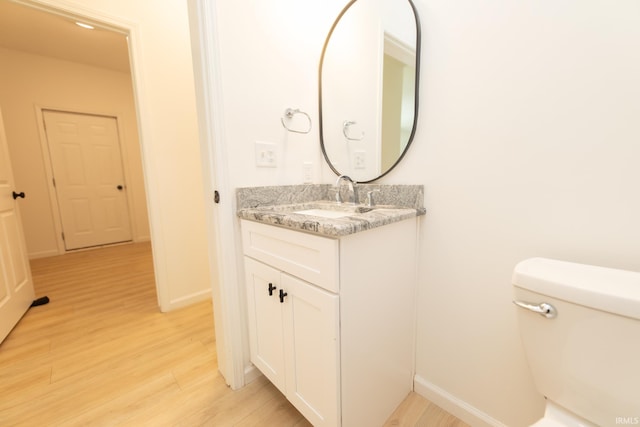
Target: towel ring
x=345 y=131
x=289 y=113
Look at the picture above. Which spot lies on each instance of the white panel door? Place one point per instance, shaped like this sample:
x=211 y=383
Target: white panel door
x=311 y=337
x=265 y=321
x=16 y=285
x=89 y=179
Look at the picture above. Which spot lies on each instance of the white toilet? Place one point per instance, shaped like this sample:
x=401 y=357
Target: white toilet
x=580 y=326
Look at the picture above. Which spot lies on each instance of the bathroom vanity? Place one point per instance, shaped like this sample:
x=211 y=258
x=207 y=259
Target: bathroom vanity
x=331 y=311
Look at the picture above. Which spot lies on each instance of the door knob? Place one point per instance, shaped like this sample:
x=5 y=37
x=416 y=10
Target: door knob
x=120 y=187
x=16 y=195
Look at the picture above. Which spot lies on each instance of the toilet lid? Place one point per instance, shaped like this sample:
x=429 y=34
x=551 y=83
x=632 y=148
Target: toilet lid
x=547 y=422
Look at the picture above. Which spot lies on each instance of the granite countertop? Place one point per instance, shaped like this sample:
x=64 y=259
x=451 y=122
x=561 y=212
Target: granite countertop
x=280 y=206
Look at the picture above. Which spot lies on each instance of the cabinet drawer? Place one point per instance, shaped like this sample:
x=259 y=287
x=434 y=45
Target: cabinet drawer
x=311 y=258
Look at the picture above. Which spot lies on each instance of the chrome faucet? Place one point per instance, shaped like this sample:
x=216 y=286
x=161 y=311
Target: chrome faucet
x=352 y=185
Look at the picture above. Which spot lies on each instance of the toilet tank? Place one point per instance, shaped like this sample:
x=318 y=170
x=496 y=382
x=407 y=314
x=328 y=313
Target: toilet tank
x=587 y=358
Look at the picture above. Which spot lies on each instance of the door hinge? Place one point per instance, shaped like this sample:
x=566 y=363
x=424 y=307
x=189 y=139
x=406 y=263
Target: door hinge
x=216 y=196
x=54 y=181
x=63 y=235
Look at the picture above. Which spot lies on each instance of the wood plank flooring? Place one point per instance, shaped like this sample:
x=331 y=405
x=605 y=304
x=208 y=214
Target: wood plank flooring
x=101 y=354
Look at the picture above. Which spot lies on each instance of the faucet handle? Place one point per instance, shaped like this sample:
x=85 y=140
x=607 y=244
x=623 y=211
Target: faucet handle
x=370 y=201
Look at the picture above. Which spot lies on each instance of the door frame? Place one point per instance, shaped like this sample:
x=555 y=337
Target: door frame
x=142 y=98
x=46 y=158
x=231 y=322
x=222 y=226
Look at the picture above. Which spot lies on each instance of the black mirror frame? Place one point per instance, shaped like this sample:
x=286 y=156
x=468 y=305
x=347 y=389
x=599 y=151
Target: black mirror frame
x=416 y=98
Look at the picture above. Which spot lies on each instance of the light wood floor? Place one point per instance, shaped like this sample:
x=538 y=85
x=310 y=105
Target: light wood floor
x=101 y=354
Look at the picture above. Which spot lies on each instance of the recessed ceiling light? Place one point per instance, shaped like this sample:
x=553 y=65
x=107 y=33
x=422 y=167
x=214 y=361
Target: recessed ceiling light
x=83 y=25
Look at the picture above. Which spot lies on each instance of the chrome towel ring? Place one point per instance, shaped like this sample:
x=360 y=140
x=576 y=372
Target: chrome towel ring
x=346 y=126
x=289 y=113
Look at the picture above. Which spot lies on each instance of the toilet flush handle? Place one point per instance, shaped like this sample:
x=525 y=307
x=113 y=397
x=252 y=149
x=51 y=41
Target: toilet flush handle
x=543 y=309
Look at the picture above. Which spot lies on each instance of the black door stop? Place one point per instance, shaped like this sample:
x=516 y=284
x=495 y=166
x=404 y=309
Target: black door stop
x=40 y=301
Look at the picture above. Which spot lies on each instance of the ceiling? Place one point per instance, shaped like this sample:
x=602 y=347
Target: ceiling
x=40 y=32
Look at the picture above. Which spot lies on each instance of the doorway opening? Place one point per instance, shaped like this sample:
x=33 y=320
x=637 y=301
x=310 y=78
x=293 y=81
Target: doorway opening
x=93 y=67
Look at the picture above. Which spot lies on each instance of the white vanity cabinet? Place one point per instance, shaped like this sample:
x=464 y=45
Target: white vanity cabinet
x=331 y=320
x=294 y=339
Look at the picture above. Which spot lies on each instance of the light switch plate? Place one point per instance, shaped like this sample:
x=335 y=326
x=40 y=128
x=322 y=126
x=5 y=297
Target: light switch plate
x=266 y=154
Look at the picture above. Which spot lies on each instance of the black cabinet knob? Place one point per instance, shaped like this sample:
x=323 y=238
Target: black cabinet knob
x=16 y=195
x=282 y=295
x=120 y=187
x=271 y=289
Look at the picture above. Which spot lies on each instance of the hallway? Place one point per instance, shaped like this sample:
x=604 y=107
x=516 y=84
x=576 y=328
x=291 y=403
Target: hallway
x=101 y=353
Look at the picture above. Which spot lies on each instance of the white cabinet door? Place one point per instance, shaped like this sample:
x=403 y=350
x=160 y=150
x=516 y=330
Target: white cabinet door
x=265 y=321
x=311 y=339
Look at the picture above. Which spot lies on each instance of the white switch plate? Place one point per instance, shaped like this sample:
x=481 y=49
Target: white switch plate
x=359 y=160
x=266 y=155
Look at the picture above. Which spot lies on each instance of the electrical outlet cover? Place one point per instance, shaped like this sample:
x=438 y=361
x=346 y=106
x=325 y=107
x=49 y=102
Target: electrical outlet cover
x=307 y=172
x=359 y=160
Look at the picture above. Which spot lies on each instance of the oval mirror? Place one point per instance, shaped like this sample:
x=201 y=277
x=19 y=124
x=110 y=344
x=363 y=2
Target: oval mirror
x=368 y=87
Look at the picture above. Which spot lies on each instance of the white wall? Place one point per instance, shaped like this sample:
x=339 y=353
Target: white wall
x=27 y=81
x=527 y=145
x=269 y=54
x=165 y=97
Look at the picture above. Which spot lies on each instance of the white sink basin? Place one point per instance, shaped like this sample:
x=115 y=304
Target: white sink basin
x=324 y=213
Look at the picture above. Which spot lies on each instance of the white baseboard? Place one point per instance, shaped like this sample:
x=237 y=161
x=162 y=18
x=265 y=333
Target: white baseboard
x=189 y=299
x=43 y=254
x=453 y=405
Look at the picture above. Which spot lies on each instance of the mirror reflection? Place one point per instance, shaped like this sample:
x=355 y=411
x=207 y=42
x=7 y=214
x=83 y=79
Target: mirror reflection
x=368 y=85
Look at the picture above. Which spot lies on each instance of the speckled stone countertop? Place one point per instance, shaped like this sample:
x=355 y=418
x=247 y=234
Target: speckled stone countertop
x=278 y=206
